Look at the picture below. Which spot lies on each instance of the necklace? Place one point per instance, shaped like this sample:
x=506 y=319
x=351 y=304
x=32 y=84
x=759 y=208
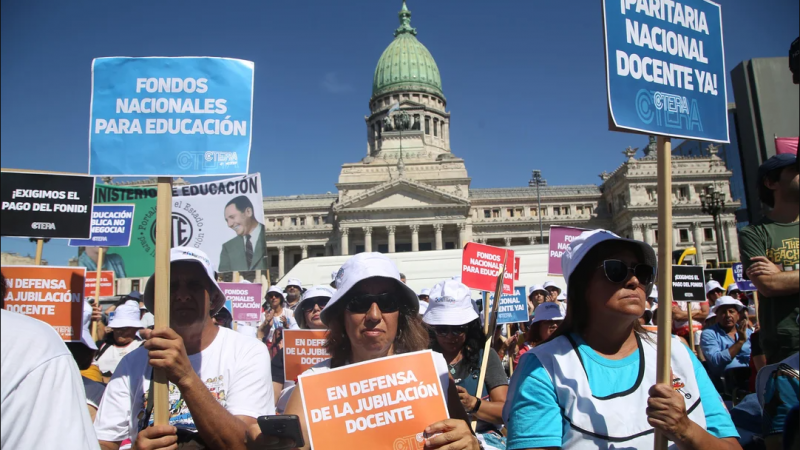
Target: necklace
x=453 y=365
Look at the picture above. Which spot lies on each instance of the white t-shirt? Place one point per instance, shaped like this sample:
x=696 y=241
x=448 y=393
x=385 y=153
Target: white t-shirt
x=108 y=361
x=94 y=391
x=43 y=403
x=277 y=322
x=234 y=368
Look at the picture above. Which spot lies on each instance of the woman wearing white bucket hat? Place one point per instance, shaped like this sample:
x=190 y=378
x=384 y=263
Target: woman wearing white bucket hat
x=123 y=340
x=458 y=336
x=537 y=295
x=373 y=315
x=593 y=383
x=547 y=319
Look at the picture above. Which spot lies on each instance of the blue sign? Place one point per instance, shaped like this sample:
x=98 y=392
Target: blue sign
x=229 y=306
x=513 y=308
x=170 y=116
x=111 y=227
x=738 y=277
x=665 y=68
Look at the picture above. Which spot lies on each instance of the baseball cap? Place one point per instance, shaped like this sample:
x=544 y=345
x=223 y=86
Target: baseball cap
x=547 y=311
x=713 y=285
x=727 y=301
x=294 y=282
x=86 y=322
x=191 y=254
x=774 y=163
x=126 y=316
x=552 y=284
x=536 y=287
x=364 y=266
x=322 y=291
x=733 y=287
x=654 y=294
x=583 y=244
x=451 y=304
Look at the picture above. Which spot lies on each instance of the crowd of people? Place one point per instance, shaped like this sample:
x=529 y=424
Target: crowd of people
x=581 y=373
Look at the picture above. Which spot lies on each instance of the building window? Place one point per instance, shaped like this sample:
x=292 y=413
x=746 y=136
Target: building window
x=273 y=261
x=449 y=245
x=425 y=246
x=415 y=126
x=621 y=200
x=589 y=209
x=495 y=213
x=427 y=125
x=655 y=233
x=566 y=210
x=684 y=235
x=711 y=263
x=272 y=223
x=652 y=194
x=683 y=193
x=519 y=212
x=323 y=219
x=316 y=220
x=544 y=212
x=556 y=210
x=510 y=212
x=302 y=221
x=580 y=212
x=294 y=221
x=709 y=234
x=280 y=222
x=374 y=131
x=487 y=214
x=436 y=127
x=534 y=213
x=135 y=284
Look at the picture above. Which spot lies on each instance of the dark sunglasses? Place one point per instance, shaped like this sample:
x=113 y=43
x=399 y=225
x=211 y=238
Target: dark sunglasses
x=360 y=304
x=444 y=330
x=309 y=305
x=617 y=271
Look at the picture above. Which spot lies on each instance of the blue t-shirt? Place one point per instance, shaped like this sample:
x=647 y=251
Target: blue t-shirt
x=533 y=415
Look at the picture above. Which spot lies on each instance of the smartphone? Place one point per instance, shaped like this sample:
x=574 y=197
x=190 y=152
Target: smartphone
x=285 y=426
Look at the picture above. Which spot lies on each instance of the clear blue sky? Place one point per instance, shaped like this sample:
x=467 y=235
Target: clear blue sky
x=524 y=80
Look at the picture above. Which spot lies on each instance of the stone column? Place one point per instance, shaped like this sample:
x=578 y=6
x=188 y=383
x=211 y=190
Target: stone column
x=367 y=239
x=414 y=238
x=304 y=249
x=508 y=241
x=532 y=239
x=281 y=258
x=438 y=229
x=345 y=242
x=731 y=240
x=462 y=232
x=698 y=243
x=391 y=229
x=638 y=232
x=646 y=233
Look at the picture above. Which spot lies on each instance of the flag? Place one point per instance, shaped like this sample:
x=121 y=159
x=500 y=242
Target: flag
x=786 y=145
x=394 y=108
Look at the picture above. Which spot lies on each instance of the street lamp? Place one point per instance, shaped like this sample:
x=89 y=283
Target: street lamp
x=537 y=181
x=713 y=203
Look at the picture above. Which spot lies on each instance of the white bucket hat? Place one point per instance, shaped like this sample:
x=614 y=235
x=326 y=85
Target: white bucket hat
x=177 y=254
x=733 y=287
x=423 y=308
x=654 y=294
x=451 y=304
x=710 y=315
x=581 y=245
x=322 y=291
x=294 y=282
x=713 y=285
x=562 y=297
x=727 y=301
x=536 y=287
x=274 y=290
x=362 y=267
x=425 y=291
x=126 y=316
x=86 y=322
x=552 y=284
x=547 y=311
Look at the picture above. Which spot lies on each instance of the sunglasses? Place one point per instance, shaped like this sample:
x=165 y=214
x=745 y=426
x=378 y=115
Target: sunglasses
x=444 y=330
x=309 y=305
x=387 y=303
x=617 y=271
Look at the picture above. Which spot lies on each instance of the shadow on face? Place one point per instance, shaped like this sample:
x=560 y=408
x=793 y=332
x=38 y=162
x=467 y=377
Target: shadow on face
x=607 y=300
x=190 y=300
x=372 y=334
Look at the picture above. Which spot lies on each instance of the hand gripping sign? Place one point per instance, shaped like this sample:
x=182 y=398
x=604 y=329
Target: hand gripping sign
x=481 y=264
x=387 y=402
x=301 y=350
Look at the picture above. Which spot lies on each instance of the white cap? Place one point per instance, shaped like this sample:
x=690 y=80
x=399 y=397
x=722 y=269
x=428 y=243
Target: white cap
x=562 y=297
x=425 y=291
x=294 y=282
x=362 y=267
x=275 y=290
x=727 y=301
x=450 y=304
x=549 y=283
x=654 y=293
x=177 y=254
x=423 y=307
x=731 y=288
x=536 y=287
x=86 y=335
x=581 y=245
x=126 y=315
x=547 y=311
x=322 y=291
x=247 y=330
x=713 y=285
x=711 y=315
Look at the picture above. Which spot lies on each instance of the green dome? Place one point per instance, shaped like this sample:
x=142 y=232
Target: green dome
x=406 y=65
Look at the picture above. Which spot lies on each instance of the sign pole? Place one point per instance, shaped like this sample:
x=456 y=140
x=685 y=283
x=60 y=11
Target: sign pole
x=161 y=300
x=39 y=249
x=663 y=369
x=236 y=277
x=100 y=251
x=691 y=327
x=510 y=359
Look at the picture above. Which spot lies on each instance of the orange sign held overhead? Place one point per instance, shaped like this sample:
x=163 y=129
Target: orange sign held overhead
x=106 y=284
x=301 y=350
x=50 y=294
x=387 y=402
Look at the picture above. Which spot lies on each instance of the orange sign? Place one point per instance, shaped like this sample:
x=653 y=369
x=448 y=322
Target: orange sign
x=387 y=402
x=50 y=294
x=106 y=284
x=301 y=350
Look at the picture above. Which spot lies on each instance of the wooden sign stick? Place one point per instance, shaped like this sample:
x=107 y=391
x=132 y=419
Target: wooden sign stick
x=100 y=252
x=161 y=297
x=510 y=359
x=691 y=327
x=39 y=249
x=663 y=369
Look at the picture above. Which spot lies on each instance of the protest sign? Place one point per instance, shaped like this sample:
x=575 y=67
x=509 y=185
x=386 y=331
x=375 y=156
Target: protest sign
x=688 y=284
x=387 y=402
x=481 y=264
x=512 y=308
x=516 y=268
x=45 y=205
x=301 y=350
x=665 y=68
x=221 y=218
x=106 y=284
x=245 y=300
x=51 y=294
x=560 y=237
x=111 y=227
x=170 y=116
x=741 y=283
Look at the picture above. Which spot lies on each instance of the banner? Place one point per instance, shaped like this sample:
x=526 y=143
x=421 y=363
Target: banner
x=516 y=268
x=44 y=205
x=51 y=294
x=688 y=284
x=301 y=350
x=665 y=68
x=786 y=145
x=170 y=116
x=106 y=284
x=386 y=402
x=481 y=264
x=560 y=237
x=245 y=300
x=221 y=218
x=512 y=308
x=111 y=227
x=741 y=282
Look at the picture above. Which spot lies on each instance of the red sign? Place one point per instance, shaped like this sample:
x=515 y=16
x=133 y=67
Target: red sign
x=516 y=268
x=106 y=284
x=481 y=264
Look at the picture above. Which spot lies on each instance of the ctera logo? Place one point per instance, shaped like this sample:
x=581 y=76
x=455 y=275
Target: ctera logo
x=668 y=110
x=43 y=226
x=182 y=230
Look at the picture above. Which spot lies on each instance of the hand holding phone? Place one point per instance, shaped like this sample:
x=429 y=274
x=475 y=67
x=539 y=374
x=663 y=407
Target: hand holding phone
x=285 y=427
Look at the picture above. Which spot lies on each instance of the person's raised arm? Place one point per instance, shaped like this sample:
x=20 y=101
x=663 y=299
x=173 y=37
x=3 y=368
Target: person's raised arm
x=701 y=314
x=678 y=313
x=770 y=279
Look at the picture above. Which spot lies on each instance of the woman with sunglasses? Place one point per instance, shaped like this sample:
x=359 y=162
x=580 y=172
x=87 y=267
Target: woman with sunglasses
x=459 y=337
x=592 y=384
x=373 y=315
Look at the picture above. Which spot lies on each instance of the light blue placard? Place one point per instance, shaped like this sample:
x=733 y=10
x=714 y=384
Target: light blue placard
x=513 y=308
x=111 y=227
x=738 y=276
x=170 y=116
x=665 y=68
